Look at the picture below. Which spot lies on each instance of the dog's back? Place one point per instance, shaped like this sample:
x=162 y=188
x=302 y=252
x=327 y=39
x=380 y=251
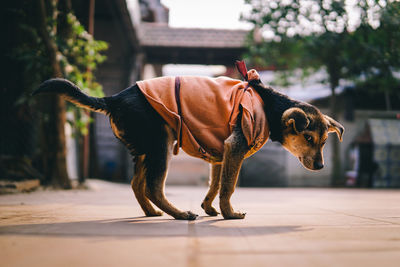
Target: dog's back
x=132 y=119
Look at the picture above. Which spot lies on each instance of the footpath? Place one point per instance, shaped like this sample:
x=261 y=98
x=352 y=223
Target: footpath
x=104 y=226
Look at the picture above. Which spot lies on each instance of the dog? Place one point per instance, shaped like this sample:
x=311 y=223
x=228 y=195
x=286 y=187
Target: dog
x=300 y=127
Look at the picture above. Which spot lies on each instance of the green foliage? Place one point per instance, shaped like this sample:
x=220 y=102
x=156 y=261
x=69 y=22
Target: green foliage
x=80 y=55
x=28 y=57
x=310 y=35
x=374 y=53
x=306 y=35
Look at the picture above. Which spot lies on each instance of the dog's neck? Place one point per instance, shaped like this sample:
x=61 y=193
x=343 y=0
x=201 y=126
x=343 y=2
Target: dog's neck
x=275 y=104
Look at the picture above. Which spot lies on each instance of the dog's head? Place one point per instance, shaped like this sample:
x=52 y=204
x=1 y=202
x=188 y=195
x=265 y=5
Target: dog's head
x=305 y=131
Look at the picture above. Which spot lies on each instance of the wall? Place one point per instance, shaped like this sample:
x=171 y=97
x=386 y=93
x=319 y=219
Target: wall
x=120 y=70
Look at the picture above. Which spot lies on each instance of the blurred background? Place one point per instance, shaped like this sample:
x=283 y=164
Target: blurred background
x=342 y=56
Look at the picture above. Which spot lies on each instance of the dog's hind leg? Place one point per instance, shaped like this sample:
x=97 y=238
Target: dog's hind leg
x=139 y=188
x=215 y=183
x=156 y=165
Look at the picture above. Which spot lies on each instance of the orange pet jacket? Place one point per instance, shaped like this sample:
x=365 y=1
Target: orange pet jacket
x=203 y=112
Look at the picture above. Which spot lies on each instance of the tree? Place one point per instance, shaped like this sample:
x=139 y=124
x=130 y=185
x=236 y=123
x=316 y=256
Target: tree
x=374 y=55
x=44 y=40
x=309 y=35
x=53 y=106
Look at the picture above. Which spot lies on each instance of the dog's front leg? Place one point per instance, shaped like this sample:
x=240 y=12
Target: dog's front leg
x=235 y=149
x=215 y=182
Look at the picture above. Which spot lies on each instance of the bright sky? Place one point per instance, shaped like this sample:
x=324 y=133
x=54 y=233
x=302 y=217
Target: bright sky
x=222 y=14
x=225 y=14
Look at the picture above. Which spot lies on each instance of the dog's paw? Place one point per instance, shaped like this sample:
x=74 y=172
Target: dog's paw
x=154 y=213
x=212 y=211
x=209 y=210
x=235 y=215
x=187 y=215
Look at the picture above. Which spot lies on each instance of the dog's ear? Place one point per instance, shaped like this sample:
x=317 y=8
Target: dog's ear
x=295 y=118
x=334 y=126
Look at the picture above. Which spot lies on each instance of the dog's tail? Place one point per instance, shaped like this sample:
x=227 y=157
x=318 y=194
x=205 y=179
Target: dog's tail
x=72 y=93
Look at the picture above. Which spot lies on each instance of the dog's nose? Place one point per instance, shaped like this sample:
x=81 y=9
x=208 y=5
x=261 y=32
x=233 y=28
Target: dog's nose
x=318 y=165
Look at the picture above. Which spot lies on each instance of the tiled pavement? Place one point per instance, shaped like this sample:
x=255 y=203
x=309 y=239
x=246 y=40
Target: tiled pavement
x=104 y=226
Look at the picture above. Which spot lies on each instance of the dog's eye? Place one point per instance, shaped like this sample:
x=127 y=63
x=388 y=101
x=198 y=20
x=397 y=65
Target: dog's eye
x=308 y=138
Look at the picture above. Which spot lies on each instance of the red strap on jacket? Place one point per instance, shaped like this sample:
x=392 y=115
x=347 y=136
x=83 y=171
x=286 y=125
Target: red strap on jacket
x=241 y=67
x=178 y=103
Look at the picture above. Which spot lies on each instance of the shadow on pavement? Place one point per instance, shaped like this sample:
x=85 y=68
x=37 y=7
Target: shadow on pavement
x=143 y=227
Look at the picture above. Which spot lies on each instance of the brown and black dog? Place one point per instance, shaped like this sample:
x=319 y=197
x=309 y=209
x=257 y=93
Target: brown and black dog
x=301 y=129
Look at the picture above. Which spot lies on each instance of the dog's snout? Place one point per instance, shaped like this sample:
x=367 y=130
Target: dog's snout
x=318 y=165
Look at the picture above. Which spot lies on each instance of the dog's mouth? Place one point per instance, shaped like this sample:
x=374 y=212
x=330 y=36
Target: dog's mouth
x=306 y=163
